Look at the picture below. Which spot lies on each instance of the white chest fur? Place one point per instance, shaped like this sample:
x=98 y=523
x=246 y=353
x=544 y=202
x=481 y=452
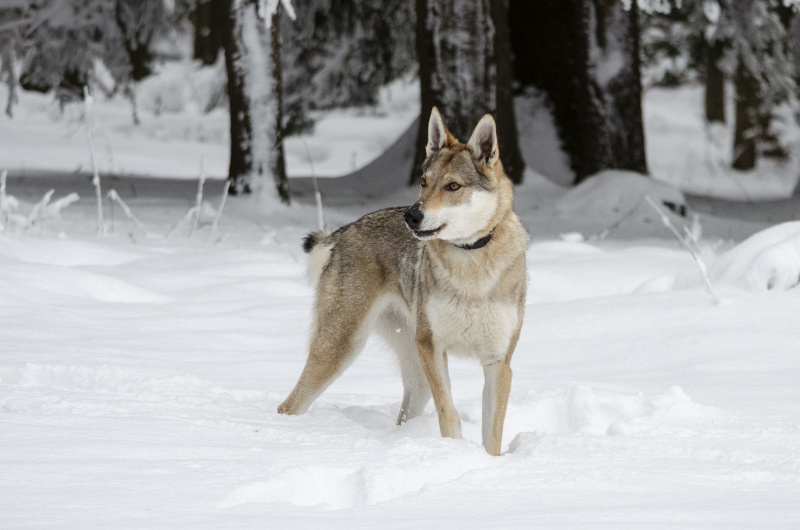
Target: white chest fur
x=480 y=329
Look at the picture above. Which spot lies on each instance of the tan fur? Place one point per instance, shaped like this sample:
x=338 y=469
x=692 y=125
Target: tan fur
x=444 y=299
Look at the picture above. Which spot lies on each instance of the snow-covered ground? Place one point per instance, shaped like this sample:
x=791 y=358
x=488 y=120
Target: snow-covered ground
x=139 y=378
x=140 y=373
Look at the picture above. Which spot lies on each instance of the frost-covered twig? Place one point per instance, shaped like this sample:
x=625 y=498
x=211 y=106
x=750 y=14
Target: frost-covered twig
x=44 y=210
x=185 y=220
x=87 y=103
x=317 y=194
x=38 y=208
x=114 y=197
x=225 y=192
x=199 y=197
x=5 y=211
x=40 y=212
x=604 y=233
x=700 y=263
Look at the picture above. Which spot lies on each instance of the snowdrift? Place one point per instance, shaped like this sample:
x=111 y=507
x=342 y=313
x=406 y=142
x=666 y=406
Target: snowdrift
x=766 y=261
x=615 y=201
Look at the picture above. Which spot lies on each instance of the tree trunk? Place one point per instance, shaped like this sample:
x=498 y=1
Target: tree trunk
x=584 y=55
x=134 y=19
x=208 y=38
x=9 y=72
x=624 y=89
x=278 y=168
x=505 y=117
x=715 y=84
x=254 y=98
x=747 y=129
x=463 y=50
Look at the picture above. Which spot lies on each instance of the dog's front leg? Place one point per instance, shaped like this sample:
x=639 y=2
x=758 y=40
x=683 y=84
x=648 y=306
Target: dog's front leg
x=434 y=365
x=496 y=389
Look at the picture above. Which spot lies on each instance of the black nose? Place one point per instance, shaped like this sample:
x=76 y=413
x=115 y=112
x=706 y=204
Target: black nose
x=413 y=217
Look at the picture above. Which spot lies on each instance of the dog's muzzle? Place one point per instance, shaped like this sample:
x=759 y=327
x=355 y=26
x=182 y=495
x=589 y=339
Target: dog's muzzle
x=413 y=218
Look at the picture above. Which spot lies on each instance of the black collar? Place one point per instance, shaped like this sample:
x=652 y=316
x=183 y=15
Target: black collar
x=479 y=243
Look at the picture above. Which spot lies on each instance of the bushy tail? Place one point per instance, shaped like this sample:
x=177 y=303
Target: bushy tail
x=312 y=239
x=318 y=246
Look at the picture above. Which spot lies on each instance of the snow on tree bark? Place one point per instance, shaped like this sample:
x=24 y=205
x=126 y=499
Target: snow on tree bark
x=463 y=50
x=251 y=49
x=584 y=55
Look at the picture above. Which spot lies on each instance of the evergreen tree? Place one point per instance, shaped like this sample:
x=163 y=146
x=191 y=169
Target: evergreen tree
x=60 y=42
x=749 y=42
x=339 y=53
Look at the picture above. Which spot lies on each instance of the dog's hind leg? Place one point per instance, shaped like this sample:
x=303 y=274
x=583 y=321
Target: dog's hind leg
x=334 y=345
x=496 y=389
x=416 y=392
x=398 y=333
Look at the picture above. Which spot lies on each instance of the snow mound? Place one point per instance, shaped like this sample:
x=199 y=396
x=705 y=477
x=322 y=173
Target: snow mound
x=616 y=200
x=766 y=261
x=583 y=411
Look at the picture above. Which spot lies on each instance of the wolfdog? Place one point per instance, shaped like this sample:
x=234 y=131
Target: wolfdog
x=445 y=276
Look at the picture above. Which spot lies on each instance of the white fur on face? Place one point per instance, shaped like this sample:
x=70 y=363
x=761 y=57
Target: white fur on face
x=463 y=221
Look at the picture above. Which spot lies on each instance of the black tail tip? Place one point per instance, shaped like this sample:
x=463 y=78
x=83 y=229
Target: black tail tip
x=309 y=241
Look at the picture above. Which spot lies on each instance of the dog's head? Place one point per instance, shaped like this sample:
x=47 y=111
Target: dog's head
x=462 y=186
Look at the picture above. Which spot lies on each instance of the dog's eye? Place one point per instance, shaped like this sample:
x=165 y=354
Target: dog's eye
x=423 y=182
x=453 y=186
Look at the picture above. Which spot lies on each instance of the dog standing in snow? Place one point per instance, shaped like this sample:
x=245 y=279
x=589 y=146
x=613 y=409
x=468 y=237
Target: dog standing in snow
x=445 y=276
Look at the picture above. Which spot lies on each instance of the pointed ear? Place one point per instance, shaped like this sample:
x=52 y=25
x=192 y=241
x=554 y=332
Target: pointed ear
x=483 y=142
x=437 y=133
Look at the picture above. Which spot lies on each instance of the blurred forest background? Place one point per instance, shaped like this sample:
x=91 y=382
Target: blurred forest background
x=274 y=65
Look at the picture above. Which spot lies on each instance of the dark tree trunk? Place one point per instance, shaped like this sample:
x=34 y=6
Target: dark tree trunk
x=715 y=84
x=463 y=49
x=624 y=90
x=137 y=34
x=424 y=37
x=278 y=168
x=254 y=100
x=9 y=72
x=584 y=55
x=505 y=117
x=747 y=129
x=208 y=30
